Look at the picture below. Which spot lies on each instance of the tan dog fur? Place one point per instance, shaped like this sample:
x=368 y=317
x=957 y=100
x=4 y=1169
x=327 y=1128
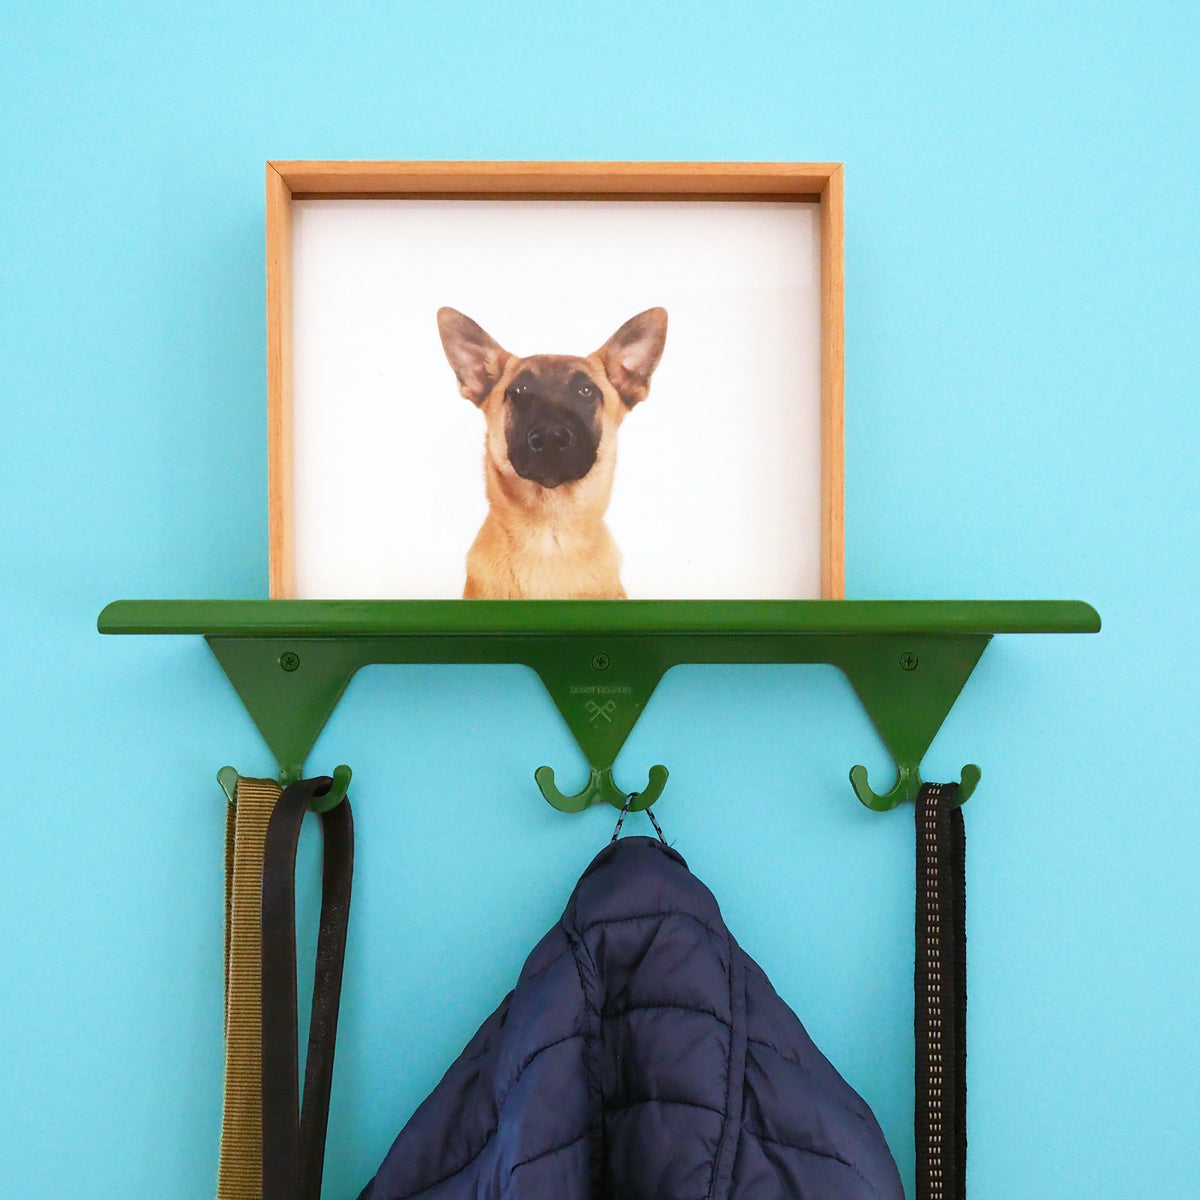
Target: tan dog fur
x=549 y=542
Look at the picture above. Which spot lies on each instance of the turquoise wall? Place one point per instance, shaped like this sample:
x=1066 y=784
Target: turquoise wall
x=1022 y=262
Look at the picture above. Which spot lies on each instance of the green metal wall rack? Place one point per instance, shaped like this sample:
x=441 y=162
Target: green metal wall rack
x=291 y=660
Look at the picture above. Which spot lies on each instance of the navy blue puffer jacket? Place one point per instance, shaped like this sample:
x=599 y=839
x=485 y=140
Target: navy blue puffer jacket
x=642 y=1055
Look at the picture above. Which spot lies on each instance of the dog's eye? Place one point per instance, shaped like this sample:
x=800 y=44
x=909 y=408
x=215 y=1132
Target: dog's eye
x=586 y=391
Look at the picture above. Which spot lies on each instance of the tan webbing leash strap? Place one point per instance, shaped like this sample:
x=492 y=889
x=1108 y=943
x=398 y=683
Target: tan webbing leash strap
x=240 y=1172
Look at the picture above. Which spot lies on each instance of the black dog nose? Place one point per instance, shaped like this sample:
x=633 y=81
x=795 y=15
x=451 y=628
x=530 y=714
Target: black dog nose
x=559 y=437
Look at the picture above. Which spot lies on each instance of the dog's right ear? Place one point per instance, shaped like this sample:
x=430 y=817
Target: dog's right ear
x=476 y=359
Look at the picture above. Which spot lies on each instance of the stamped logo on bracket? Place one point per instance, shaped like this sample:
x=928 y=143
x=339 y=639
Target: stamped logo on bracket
x=597 y=711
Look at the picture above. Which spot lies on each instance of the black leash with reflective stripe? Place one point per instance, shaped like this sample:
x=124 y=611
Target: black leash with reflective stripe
x=293 y=1140
x=940 y=987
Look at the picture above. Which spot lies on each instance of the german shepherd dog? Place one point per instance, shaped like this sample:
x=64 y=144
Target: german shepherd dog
x=549 y=453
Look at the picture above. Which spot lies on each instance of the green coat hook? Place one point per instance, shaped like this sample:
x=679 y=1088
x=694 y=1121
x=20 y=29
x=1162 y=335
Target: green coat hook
x=339 y=784
x=907 y=787
x=600 y=689
x=227 y=777
x=600 y=788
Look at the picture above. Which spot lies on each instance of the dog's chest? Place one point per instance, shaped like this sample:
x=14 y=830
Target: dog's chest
x=551 y=546
x=551 y=561
x=552 y=543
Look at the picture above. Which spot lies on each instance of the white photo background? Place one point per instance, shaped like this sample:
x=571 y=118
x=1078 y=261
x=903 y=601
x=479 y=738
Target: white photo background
x=717 y=493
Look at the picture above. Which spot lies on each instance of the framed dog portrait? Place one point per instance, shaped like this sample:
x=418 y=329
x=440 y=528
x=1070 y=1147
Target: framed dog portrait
x=555 y=380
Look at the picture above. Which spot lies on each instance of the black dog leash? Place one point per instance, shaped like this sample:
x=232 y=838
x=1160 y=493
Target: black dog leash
x=293 y=1141
x=940 y=985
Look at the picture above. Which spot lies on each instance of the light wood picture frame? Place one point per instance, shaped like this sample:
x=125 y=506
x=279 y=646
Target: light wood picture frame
x=712 y=186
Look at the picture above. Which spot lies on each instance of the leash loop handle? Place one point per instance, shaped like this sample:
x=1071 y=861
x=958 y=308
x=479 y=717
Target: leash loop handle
x=293 y=1137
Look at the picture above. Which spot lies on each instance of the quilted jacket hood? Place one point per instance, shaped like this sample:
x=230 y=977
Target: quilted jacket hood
x=642 y=1055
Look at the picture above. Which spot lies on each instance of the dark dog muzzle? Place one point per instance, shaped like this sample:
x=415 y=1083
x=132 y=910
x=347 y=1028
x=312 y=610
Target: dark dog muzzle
x=550 y=445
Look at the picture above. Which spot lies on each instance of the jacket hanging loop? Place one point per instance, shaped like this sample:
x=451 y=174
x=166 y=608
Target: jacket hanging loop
x=621 y=819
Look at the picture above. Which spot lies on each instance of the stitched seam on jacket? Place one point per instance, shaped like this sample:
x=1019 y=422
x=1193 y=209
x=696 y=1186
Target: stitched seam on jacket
x=611 y=1108
x=591 y=1066
x=543 y=969
x=613 y=1014
x=425 y=1187
x=800 y=1066
x=727 y=1116
x=485 y=1049
x=659 y=915
x=546 y=1153
x=762 y=1137
x=500 y=1102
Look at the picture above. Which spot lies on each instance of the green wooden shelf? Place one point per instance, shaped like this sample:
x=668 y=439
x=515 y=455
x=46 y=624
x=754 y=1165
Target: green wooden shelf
x=291 y=660
x=472 y=618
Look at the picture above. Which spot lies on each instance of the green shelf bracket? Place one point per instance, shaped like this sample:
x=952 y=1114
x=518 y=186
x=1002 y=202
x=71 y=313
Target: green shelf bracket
x=290 y=661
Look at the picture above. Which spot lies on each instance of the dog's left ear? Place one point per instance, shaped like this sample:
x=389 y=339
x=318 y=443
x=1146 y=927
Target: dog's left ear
x=632 y=353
